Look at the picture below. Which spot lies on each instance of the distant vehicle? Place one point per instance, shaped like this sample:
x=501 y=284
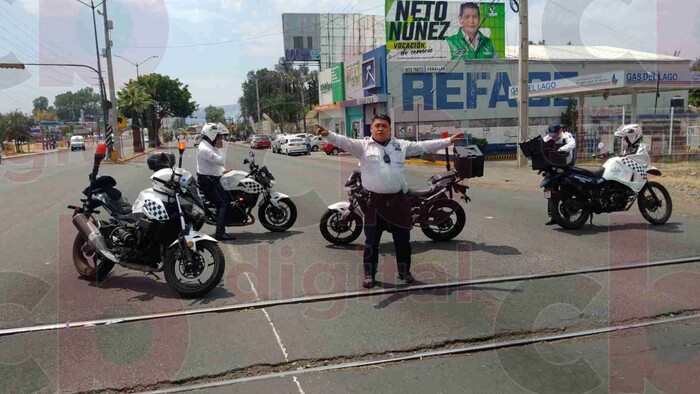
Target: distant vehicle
x=77 y=142
x=276 y=142
x=260 y=141
x=330 y=149
x=293 y=145
x=316 y=143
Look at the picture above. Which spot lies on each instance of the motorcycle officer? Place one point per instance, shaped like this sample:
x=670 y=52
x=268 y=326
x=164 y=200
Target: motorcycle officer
x=210 y=168
x=631 y=136
x=563 y=141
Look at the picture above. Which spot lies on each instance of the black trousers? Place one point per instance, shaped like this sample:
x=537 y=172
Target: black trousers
x=392 y=213
x=211 y=186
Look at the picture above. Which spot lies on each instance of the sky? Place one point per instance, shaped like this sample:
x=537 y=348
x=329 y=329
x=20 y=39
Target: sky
x=210 y=45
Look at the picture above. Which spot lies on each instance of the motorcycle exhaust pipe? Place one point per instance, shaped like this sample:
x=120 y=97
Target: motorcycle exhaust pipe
x=95 y=240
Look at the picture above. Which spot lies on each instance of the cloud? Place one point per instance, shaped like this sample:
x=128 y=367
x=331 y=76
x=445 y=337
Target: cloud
x=31 y=6
x=270 y=47
x=334 y=6
x=235 y=5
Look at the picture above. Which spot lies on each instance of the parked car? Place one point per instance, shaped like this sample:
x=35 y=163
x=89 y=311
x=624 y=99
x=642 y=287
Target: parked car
x=260 y=141
x=291 y=145
x=316 y=143
x=330 y=149
x=276 y=142
x=77 y=142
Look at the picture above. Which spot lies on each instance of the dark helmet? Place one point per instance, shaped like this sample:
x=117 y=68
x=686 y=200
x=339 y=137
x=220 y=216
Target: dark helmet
x=554 y=129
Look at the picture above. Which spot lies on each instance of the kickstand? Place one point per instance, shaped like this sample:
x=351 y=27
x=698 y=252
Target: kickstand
x=591 y=220
x=153 y=274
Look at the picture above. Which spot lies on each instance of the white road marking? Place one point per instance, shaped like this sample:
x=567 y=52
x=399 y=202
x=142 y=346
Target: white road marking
x=274 y=330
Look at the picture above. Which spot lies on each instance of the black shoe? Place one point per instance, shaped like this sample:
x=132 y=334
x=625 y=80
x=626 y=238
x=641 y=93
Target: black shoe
x=550 y=222
x=224 y=237
x=369 y=282
x=407 y=278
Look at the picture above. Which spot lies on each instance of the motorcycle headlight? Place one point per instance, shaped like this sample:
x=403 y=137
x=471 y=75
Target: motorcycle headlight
x=197 y=212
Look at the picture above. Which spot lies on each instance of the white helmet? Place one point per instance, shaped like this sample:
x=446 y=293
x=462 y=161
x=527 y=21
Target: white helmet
x=630 y=133
x=211 y=130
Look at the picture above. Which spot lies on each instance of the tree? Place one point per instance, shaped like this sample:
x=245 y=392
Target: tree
x=179 y=123
x=214 y=114
x=569 y=118
x=69 y=105
x=16 y=126
x=44 y=115
x=170 y=98
x=41 y=103
x=133 y=100
x=694 y=95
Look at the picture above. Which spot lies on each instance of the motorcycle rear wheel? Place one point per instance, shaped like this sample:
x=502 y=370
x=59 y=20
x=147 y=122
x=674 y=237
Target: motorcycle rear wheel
x=89 y=265
x=176 y=269
x=566 y=210
x=450 y=226
x=648 y=206
x=330 y=223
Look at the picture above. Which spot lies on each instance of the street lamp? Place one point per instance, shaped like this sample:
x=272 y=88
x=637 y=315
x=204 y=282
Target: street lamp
x=136 y=64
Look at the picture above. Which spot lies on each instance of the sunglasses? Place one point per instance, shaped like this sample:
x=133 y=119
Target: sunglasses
x=387 y=159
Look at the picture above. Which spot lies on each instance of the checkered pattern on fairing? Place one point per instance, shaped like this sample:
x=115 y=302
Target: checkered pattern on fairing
x=155 y=210
x=638 y=168
x=253 y=186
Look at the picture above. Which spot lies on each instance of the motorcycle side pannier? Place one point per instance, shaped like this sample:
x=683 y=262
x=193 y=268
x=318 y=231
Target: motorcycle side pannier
x=159 y=161
x=469 y=161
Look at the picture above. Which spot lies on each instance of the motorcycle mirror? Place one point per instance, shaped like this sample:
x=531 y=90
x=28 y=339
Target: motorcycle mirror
x=601 y=145
x=251 y=154
x=246 y=161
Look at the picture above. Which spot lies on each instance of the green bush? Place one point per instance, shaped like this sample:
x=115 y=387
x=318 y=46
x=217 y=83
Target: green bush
x=481 y=143
x=167 y=136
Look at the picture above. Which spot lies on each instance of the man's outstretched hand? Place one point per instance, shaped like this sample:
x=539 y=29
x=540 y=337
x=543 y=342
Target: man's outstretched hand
x=322 y=131
x=456 y=137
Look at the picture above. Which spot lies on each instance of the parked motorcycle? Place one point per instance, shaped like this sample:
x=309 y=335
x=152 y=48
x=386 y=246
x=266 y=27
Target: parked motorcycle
x=432 y=209
x=578 y=193
x=153 y=235
x=276 y=211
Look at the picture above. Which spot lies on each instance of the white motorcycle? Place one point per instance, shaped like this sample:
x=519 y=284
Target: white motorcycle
x=578 y=193
x=276 y=211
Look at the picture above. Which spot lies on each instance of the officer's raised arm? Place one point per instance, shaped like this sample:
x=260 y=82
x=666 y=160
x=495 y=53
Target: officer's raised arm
x=355 y=147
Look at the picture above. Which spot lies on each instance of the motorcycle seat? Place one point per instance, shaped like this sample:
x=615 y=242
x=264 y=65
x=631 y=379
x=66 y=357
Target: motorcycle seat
x=593 y=174
x=442 y=175
x=419 y=192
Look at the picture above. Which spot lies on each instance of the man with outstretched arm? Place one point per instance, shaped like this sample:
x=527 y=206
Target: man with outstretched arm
x=382 y=161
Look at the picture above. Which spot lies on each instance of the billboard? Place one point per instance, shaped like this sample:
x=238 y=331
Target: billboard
x=302 y=37
x=338 y=82
x=444 y=30
x=325 y=87
x=353 y=78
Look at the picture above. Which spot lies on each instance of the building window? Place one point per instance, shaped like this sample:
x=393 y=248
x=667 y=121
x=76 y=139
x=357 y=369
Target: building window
x=298 y=42
x=309 y=42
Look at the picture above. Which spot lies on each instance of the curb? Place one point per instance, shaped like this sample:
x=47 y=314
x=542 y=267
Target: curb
x=132 y=157
x=33 y=154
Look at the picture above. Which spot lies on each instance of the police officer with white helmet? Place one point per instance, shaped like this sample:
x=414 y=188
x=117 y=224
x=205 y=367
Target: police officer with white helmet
x=210 y=169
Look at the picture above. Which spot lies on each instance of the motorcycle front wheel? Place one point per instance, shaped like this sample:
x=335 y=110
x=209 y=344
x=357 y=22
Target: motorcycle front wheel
x=448 y=220
x=278 y=219
x=202 y=275
x=655 y=205
x=338 y=231
x=89 y=265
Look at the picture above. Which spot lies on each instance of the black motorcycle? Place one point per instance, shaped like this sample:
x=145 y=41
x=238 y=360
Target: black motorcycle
x=153 y=235
x=433 y=209
x=576 y=193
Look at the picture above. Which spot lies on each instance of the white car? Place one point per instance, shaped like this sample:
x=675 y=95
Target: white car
x=291 y=145
x=77 y=142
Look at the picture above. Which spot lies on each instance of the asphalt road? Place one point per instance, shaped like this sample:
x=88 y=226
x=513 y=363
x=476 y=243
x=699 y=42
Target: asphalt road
x=505 y=235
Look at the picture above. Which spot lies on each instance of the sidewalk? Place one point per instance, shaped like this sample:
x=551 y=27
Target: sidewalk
x=12 y=156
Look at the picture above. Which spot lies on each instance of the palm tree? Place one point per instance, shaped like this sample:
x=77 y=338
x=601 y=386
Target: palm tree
x=132 y=101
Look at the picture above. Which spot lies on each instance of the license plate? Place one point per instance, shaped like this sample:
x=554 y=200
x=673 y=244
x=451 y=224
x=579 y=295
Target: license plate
x=547 y=194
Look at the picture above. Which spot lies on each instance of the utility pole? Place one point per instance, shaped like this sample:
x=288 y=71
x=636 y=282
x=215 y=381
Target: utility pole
x=103 y=89
x=110 y=77
x=257 y=96
x=523 y=93
x=303 y=104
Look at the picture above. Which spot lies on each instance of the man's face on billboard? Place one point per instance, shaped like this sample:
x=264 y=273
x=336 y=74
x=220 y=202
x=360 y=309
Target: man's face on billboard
x=470 y=21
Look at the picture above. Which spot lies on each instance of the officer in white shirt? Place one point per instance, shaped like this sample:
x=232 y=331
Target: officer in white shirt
x=210 y=168
x=382 y=161
x=563 y=141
